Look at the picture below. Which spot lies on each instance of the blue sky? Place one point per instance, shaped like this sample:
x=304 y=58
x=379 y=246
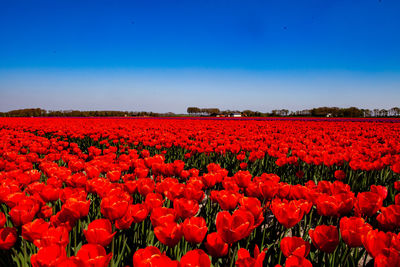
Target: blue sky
x=167 y=55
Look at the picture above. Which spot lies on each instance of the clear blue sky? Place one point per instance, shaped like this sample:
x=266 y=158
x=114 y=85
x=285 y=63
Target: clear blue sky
x=167 y=55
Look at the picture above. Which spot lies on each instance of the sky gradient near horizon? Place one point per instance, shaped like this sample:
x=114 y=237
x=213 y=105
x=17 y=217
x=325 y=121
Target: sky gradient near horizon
x=167 y=55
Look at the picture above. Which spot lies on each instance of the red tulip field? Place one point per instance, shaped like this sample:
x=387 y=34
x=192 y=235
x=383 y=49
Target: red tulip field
x=199 y=192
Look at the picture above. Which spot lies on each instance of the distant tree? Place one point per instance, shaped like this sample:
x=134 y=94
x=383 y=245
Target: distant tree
x=193 y=110
x=366 y=112
x=275 y=112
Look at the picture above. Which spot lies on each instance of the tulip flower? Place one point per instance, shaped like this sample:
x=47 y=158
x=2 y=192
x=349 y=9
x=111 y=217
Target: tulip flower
x=287 y=213
x=295 y=246
x=216 y=247
x=94 y=255
x=368 y=203
x=151 y=256
x=233 y=228
x=353 y=229
x=49 y=256
x=325 y=238
x=8 y=237
x=169 y=234
x=195 y=257
x=194 y=229
x=114 y=207
x=99 y=232
x=245 y=260
x=33 y=230
x=185 y=208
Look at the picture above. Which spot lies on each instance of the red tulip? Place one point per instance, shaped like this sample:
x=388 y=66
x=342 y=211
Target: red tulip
x=53 y=236
x=352 y=230
x=210 y=179
x=114 y=207
x=216 y=247
x=194 y=229
x=94 y=255
x=245 y=260
x=50 y=193
x=295 y=246
x=8 y=237
x=253 y=205
x=145 y=186
x=72 y=261
x=340 y=175
x=193 y=192
x=135 y=214
x=185 y=208
x=151 y=256
x=375 y=242
x=33 y=230
x=80 y=207
x=233 y=228
x=45 y=212
x=335 y=205
x=10 y=197
x=287 y=213
x=153 y=200
x=227 y=200
x=389 y=218
x=3 y=219
x=243 y=165
x=243 y=178
x=195 y=257
x=268 y=189
x=325 y=238
x=381 y=190
x=142 y=256
x=49 y=256
x=296 y=261
x=390 y=257
x=162 y=215
x=92 y=171
x=24 y=212
x=169 y=234
x=99 y=232
x=114 y=175
x=171 y=188
x=397 y=184
x=368 y=203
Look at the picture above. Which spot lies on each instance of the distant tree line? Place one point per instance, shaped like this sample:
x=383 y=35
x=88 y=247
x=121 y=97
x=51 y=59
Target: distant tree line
x=195 y=111
x=202 y=111
x=315 y=112
x=37 y=112
x=348 y=112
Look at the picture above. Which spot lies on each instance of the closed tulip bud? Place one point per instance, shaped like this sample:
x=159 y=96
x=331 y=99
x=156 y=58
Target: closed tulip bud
x=195 y=257
x=8 y=237
x=99 y=232
x=94 y=255
x=194 y=229
x=325 y=238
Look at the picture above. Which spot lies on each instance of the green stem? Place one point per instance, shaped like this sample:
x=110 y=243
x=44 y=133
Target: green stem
x=232 y=256
x=25 y=254
x=112 y=247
